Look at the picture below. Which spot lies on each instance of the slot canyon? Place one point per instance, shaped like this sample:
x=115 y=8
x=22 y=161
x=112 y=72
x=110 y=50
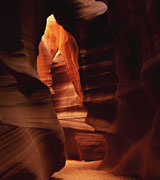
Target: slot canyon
x=80 y=90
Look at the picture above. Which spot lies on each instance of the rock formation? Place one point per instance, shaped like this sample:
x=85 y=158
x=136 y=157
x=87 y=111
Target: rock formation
x=30 y=130
x=135 y=29
x=59 y=71
x=102 y=69
x=31 y=138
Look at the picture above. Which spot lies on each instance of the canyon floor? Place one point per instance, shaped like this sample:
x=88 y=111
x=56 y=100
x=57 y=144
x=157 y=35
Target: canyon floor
x=81 y=170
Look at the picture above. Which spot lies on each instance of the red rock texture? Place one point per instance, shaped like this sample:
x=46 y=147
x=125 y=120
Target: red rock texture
x=135 y=28
x=132 y=136
x=31 y=138
x=67 y=98
x=121 y=44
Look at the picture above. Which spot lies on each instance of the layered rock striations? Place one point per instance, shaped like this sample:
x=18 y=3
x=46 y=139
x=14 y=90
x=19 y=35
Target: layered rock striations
x=31 y=138
x=132 y=135
x=106 y=76
x=63 y=79
x=97 y=71
x=135 y=28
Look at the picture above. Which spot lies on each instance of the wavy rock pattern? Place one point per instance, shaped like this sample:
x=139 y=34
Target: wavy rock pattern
x=31 y=138
x=66 y=101
x=135 y=28
x=97 y=71
x=129 y=36
x=84 y=145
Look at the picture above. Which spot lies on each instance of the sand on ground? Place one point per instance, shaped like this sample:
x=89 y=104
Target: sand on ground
x=81 y=170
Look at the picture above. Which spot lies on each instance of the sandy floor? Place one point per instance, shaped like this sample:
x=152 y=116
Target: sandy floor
x=80 y=170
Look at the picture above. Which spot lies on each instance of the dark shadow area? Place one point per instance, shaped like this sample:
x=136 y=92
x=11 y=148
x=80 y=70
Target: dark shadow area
x=54 y=178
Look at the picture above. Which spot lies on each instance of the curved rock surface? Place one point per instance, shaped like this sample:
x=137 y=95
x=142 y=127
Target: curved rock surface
x=31 y=138
x=26 y=107
x=62 y=77
x=121 y=44
x=135 y=28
